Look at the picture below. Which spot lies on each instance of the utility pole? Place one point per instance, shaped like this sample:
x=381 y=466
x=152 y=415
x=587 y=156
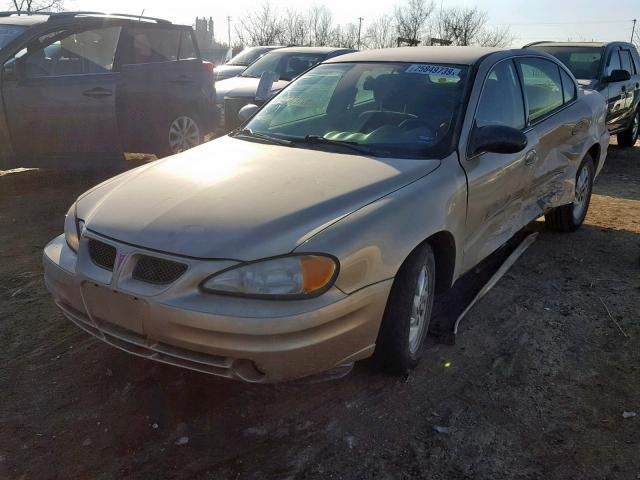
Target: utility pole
x=359 y=30
x=633 y=30
x=229 y=29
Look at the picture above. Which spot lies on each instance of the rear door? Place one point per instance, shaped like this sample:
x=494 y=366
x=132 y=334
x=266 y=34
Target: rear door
x=616 y=93
x=497 y=183
x=560 y=123
x=632 y=89
x=162 y=79
x=60 y=98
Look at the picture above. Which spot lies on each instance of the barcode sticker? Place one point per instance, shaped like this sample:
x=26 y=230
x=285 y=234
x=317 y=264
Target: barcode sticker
x=427 y=69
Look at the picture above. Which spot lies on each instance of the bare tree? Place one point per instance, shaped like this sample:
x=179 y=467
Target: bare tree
x=345 y=36
x=293 y=28
x=411 y=18
x=261 y=27
x=468 y=26
x=496 y=37
x=380 y=33
x=319 y=22
x=34 y=6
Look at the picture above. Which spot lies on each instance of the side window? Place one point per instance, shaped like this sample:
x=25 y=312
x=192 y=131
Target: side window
x=70 y=53
x=613 y=63
x=626 y=62
x=568 y=87
x=501 y=99
x=152 y=45
x=187 y=47
x=542 y=86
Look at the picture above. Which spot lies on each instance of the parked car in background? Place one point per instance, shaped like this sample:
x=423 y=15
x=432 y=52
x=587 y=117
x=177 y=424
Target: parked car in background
x=94 y=84
x=613 y=69
x=287 y=63
x=240 y=62
x=320 y=232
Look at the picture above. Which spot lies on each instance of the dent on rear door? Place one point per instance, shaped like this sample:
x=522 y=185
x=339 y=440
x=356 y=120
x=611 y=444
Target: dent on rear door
x=562 y=143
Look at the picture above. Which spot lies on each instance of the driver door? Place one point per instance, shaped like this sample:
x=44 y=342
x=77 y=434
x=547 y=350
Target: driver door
x=59 y=93
x=497 y=183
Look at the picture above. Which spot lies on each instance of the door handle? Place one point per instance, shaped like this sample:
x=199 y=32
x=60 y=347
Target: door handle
x=530 y=158
x=97 y=92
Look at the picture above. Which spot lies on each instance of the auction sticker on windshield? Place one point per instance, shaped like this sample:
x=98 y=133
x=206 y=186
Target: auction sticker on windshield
x=427 y=69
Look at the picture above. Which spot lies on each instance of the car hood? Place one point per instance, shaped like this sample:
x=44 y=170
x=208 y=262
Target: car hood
x=238 y=199
x=228 y=71
x=243 y=87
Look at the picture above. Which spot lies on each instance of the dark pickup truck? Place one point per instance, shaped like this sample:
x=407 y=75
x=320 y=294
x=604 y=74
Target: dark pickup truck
x=613 y=69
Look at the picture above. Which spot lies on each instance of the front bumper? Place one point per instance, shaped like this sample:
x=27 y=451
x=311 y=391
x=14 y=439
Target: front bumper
x=252 y=340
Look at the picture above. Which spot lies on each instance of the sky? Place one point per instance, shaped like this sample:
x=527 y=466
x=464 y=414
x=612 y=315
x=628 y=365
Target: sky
x=529 y=20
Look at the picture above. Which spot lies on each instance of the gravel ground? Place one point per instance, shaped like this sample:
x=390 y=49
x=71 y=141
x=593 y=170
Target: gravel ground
x=536 y=387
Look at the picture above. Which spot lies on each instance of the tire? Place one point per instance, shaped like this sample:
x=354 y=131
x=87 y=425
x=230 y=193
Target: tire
x=400 y=341
x=180 y=133
x=568 y=218
x=629 y=137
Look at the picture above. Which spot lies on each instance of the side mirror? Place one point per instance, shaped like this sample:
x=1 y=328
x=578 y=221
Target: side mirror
x=11 y=70
x=618 y=76
x=497 y=139
x=246 y=112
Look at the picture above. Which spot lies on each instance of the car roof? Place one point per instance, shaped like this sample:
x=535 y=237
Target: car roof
x=454 y=55
x=311 y=49
x=573 y=44
x=28 y=19
x=22 y=20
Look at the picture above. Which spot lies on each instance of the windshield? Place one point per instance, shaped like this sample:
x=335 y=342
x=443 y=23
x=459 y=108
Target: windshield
x=248 y=56
x=384 y=109
x=583 y=62
x=8 y=33
x=286 y=65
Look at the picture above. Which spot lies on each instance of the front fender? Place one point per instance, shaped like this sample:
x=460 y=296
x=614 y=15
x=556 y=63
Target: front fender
x=373 y=242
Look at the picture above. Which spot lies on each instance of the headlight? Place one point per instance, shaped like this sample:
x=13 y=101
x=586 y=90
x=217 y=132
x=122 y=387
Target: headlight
x=294 y=276
x=72 y=229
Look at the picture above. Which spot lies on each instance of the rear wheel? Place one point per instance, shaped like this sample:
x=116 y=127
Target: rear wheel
x=408 y=313
x=568 y=218
x=629 y=137
x=182 y=133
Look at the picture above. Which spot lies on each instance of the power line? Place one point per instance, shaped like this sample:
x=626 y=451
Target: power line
x=562 y=23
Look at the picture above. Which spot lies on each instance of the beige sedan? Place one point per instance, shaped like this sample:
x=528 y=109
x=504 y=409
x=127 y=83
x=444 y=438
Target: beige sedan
x=319 y=232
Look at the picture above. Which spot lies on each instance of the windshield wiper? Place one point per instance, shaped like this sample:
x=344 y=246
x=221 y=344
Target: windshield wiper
x=247 y=132
x=356 y=147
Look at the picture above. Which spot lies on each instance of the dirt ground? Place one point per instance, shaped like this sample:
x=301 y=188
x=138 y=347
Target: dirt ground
x=536 y=386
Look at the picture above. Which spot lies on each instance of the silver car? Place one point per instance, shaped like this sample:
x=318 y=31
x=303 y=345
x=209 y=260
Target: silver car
x=319 y=232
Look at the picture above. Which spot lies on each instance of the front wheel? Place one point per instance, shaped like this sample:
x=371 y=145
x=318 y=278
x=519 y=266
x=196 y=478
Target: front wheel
x=182 y=133
x=629 y=137
x=408 y=313
x=568 y=218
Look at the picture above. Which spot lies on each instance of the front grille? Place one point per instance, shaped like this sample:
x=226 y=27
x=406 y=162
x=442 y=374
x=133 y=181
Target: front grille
x=102 y=254
x=157 y=270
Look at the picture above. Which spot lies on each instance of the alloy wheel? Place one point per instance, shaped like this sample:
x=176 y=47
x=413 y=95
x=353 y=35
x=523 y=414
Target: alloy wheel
x=184 y=134
x=419 y=310
x=582 y=194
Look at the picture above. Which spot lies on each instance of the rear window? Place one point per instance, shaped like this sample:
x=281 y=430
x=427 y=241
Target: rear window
x=152 y=45
x=8 y=33
x=583 y=62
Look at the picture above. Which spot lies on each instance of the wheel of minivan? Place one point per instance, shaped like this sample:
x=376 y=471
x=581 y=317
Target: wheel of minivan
x=629 y=137
x=181 y=133
x=408 y=313
x=568 y=218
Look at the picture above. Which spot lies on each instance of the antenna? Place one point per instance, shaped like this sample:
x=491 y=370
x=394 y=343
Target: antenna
x=141 y=14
